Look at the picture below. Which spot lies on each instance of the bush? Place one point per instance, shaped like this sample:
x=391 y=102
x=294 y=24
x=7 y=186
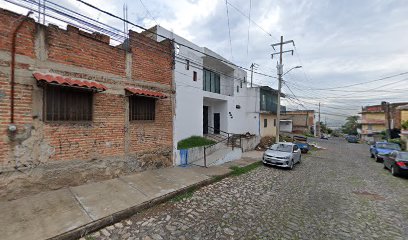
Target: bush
x=194 y=141
x=400 y=142
x=404 y=125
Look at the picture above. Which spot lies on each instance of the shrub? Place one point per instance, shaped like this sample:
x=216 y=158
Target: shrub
x=194 y=141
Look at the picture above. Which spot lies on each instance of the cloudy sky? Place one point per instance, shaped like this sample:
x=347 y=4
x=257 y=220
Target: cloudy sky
x=344 y=46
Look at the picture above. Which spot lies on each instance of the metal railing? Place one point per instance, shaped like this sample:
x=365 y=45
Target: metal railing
x=220 y=137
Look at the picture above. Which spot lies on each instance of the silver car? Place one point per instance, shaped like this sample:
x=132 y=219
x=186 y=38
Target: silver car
x=282 y=154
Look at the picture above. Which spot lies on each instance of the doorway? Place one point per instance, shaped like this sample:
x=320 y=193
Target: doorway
x=205 y=119
x=216 y=123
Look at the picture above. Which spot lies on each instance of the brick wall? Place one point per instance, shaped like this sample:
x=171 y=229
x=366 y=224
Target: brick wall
x=84 y=55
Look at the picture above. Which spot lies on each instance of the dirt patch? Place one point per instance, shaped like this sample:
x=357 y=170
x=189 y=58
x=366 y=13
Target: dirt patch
x=372 y=196
x=265 y=143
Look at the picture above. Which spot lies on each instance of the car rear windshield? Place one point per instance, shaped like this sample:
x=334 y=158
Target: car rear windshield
x=388 y=146
x=281 y=147
x=403 y=156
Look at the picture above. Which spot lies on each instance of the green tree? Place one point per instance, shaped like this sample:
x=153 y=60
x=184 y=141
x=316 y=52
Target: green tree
x=351 y=125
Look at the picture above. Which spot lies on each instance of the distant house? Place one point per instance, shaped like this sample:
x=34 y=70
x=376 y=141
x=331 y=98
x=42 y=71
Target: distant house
x=374 y=119
x=268 y=99
x=302 y=120
x=286 y=126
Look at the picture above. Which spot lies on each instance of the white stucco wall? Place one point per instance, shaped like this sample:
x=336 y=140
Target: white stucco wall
x=190 y=97
x=188 y=118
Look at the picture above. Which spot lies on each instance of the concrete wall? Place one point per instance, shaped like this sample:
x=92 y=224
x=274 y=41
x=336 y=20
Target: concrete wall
x=249 y=144
x=270 y=130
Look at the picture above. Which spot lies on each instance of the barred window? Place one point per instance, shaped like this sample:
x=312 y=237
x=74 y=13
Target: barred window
x=141 y=108
x=67 y=104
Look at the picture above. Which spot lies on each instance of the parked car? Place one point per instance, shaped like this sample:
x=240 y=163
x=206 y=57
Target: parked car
x=380 y=149
x=324 y=136
x=283 y=154
x=352 y=139
x=397 y=162
x=301 y=142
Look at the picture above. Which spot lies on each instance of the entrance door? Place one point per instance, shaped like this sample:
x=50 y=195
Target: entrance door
x=205 y=119
x=216 y=123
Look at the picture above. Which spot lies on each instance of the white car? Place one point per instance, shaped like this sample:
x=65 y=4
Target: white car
x=283 y=154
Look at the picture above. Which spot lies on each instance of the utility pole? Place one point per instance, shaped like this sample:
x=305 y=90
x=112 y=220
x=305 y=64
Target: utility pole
x=319 y=126
x=280 y=74
x=253 y=66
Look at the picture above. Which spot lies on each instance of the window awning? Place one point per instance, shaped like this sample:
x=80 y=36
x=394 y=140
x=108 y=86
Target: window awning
x=67 y=81
x=145 y=93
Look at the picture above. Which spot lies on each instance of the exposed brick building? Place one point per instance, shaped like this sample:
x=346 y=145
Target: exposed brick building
x=83 y=109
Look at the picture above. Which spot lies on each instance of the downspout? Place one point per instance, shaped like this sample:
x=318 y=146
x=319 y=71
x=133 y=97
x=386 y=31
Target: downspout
x=12 y=127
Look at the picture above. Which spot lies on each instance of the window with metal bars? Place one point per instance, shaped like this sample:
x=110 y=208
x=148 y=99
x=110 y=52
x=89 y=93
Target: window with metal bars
x=141 y=108
x=67 y=104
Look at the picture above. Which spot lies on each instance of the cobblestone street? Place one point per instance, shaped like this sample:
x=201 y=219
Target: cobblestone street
x=337 y=193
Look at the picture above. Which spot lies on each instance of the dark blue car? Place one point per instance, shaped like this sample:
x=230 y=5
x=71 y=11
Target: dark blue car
x=397 y=162
x=380 y=149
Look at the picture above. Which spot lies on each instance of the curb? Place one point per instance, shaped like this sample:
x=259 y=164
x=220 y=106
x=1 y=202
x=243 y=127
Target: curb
x=126 y=213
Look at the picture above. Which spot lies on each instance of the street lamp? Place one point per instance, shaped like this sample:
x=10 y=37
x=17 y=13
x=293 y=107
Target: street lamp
x=291 y=70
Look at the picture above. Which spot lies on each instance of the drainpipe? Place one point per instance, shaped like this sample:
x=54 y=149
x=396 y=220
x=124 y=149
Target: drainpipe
x=12 y=127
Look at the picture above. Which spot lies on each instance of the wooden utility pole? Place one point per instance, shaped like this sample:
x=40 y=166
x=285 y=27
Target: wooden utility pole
x=280 y=74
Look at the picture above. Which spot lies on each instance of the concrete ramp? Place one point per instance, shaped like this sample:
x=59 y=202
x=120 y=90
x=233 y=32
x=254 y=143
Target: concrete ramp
x=222 y=155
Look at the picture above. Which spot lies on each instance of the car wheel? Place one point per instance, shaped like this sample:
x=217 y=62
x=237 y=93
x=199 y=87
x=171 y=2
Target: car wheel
x=372 y=155
x=376 y=158
x=291 y=165
x=393 y=172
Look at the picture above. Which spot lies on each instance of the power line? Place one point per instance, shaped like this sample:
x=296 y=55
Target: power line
x=115 y=34
x=229 y=30
x=249 y=24
x=243 y=14
x=160 y=35
x=356 y=84
x=148 y=12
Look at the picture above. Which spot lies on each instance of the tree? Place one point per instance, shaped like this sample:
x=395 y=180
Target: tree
x=351 y=125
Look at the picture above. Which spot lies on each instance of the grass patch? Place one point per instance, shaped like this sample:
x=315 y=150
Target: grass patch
x=89 y=237
x=236 y=170
x=194 y=141
x=186 y=195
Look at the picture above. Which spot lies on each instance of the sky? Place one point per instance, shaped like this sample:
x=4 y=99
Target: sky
x=342 y=45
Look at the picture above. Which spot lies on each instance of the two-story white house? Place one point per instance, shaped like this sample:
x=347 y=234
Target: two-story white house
x=211 y=94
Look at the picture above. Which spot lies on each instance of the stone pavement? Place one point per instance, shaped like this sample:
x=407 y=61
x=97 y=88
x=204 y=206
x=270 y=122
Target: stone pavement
x=337 y=193
x=71 y=212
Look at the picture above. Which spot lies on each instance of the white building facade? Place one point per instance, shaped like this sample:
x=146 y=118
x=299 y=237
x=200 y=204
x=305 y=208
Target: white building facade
x=211 y=94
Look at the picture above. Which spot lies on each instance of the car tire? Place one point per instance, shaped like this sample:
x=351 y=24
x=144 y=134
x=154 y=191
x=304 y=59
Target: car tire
x=376 y=158
x=292 y=164
x=393 y=172
x=372 y=155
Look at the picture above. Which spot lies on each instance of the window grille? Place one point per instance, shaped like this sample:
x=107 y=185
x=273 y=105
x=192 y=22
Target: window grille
x=67 y=104
x=141 y=108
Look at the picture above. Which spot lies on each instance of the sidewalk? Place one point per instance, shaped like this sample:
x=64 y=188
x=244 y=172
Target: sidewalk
x=70 y=212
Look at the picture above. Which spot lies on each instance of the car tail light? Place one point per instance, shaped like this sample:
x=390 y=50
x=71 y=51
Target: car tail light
x=401 y=164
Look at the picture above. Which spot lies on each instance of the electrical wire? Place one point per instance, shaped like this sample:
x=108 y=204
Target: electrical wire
x=148 y=12
x=229 y=30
